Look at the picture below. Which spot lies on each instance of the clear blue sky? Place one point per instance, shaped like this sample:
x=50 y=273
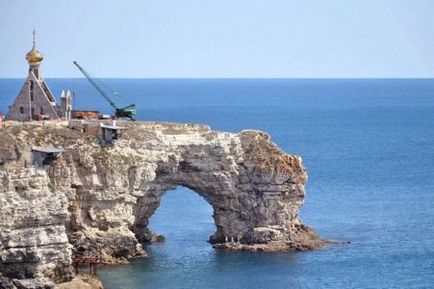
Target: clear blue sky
x=221 y=38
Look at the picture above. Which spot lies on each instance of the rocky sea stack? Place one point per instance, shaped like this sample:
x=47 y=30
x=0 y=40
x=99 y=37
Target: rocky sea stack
x=96 y=198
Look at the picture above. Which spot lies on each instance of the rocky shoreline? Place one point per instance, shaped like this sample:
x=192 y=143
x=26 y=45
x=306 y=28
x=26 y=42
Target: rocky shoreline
x=96 y=199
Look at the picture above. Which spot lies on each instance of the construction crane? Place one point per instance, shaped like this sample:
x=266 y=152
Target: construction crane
x=124 y=112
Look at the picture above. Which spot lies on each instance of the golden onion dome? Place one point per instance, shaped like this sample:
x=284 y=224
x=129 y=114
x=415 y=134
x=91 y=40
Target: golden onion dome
x=34 y=57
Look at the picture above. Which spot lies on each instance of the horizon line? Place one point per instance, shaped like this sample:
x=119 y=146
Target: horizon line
x=243 y=78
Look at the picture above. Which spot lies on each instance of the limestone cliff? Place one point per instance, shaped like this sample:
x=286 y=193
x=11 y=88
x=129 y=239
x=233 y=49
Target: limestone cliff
x=97 y=199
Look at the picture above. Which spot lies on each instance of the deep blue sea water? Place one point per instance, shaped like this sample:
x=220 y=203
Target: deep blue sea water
x=368 y=146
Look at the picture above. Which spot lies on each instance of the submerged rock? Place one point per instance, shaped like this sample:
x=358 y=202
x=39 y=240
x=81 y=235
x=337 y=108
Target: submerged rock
x=96 y=199
x=82 y=281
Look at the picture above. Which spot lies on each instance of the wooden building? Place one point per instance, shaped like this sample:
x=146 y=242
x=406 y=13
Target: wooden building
x=35 y=100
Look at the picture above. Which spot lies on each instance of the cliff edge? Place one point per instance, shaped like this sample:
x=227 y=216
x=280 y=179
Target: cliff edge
x=96 y=198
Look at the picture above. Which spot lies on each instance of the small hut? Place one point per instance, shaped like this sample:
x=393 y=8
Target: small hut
x=111 y=133
x=42 y=156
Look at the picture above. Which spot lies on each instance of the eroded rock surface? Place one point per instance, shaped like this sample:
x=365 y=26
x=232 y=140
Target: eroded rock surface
x=97 y=199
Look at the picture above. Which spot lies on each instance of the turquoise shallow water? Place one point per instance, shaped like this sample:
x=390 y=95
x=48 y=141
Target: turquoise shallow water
x=368 y=146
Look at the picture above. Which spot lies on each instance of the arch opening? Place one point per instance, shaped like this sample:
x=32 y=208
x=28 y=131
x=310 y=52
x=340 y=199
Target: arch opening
x=183 y=219
x=173 y=210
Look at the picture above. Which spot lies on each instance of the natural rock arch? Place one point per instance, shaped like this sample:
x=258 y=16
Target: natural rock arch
x=255 y=191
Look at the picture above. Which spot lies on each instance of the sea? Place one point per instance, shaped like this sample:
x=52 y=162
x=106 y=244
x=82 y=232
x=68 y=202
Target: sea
x=368 y=147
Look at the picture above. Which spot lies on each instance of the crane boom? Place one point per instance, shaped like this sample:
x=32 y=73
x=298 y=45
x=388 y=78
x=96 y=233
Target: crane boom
x=97 y=87
x=122 y=112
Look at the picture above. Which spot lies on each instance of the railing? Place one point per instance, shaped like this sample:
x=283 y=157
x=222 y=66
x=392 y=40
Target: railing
x=91 y=261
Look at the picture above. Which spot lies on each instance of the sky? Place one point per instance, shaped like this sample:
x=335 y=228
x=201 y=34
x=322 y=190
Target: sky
x=221 y=38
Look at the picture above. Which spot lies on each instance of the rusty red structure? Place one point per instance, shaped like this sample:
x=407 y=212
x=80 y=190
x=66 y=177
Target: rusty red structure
x=91 y=261
x=85 y=114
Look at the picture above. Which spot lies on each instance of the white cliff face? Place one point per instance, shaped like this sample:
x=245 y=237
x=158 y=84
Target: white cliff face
x=105 y=195
x=33 y=240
